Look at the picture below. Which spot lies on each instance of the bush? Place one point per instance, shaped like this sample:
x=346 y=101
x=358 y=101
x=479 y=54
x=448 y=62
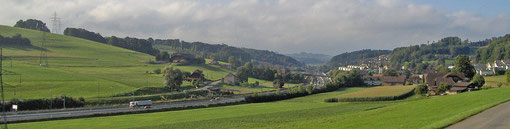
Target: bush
x=421 y=89
x=157 y=71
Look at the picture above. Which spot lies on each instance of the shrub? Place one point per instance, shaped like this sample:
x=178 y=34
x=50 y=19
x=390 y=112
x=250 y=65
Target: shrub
x=421 y=89
x=309 y=89
x=157 y=71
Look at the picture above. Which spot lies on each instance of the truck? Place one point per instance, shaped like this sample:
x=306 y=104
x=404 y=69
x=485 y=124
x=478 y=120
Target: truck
x=141 y=103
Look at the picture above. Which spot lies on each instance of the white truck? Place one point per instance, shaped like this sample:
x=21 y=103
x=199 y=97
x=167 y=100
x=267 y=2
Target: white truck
x=142 y=103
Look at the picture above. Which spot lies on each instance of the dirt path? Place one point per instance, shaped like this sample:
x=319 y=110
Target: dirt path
x=497 y=117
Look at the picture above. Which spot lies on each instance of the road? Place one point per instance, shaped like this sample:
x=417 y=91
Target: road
x=48 y=114
x=497 y=117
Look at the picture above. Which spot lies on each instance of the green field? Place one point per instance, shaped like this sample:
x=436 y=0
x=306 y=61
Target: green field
x=493 y=80
x=263 y=86
x=305 y=112
x=379 y=91
x=80 y=68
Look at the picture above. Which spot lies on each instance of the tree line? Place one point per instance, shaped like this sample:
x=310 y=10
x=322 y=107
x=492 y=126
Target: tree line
x=268 y=73
x=16 y=40
x=223 y=52
x=84 y=34
x=33 y=24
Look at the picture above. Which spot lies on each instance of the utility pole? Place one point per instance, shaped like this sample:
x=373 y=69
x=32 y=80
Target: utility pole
x=2 y=85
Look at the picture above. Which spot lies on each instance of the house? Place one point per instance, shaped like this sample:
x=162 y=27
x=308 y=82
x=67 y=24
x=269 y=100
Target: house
x=213 y=62
x=372 y=81
x=197 y=75
x=459 y=87
x=392 y=81
x=414 y=79
x=457 y=80
x=230 y=79
x=181 y=58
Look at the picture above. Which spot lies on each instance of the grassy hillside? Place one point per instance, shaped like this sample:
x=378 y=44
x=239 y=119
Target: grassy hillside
x=305 y=112
x=79 y=68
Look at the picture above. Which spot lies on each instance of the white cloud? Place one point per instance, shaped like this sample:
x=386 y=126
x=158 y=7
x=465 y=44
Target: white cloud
x=321 y=26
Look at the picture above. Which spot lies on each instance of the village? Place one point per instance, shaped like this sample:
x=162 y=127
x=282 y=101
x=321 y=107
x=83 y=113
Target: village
x=373 y=72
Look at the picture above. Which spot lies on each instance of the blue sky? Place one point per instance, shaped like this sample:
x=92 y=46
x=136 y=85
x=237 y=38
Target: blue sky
x=482 y=7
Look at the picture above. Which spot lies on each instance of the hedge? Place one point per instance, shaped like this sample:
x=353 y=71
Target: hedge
x=37 y=104
x=363 y=99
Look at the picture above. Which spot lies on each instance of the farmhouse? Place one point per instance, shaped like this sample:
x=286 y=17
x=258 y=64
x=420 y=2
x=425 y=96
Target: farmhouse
x=181 y=58
x=213 y=62
x=457 y=80
x=230 y=79
x=392 y=81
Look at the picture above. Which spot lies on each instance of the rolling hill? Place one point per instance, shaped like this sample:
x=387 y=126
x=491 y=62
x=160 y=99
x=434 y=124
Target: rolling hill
x=78 y=67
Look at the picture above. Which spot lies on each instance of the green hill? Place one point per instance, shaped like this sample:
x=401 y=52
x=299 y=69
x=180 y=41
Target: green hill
x=79 y=67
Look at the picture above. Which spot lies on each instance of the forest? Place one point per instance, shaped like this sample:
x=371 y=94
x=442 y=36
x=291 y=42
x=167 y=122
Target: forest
x=499 y=49
x=222 y=52
x=356 y=57
x=32 y=24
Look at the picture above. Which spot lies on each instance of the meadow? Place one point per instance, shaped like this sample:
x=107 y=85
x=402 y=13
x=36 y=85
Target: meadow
x=379 y=91
x=80 y=68
x=306 y=112
x=493 y=80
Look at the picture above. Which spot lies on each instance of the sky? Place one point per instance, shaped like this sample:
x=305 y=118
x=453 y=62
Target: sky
x=285 y=26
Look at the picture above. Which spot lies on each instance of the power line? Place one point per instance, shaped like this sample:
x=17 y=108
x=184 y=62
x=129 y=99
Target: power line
x=56 y=23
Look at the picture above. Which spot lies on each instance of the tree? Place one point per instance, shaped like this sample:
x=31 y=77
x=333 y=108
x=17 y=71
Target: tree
x=390 y=73
x=421 y=89
x=463 y=65
x=33 y=24
x=242 y=74
x=444 y=87
x=173 y=78
x=478 y=80
x=277 y=83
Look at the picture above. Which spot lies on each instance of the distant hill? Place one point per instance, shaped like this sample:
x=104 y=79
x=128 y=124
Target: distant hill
x=222 y=52
x=499 y=49
x=356 y=57
x=440 y=51
x=310 y=58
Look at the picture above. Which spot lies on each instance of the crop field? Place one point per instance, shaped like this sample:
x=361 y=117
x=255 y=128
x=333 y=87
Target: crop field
x=379 y=91
x=305 y=112
x=80 y=68
x=493 y=80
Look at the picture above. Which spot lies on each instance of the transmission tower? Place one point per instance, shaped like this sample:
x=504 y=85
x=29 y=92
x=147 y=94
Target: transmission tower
x=56 y=23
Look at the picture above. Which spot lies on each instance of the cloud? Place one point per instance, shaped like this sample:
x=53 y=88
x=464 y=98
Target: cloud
x=320 y=26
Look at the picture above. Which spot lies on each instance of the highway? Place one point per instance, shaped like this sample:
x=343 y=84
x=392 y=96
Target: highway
x=62 y=113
